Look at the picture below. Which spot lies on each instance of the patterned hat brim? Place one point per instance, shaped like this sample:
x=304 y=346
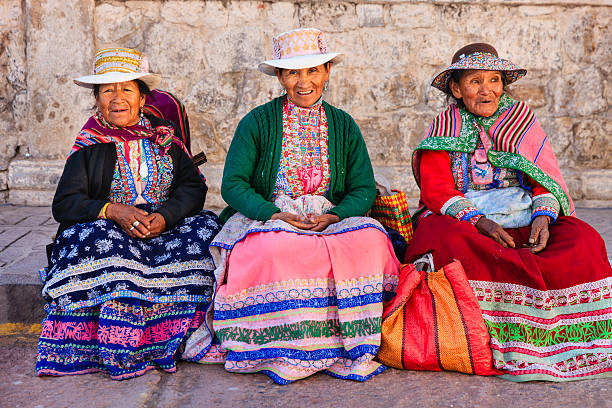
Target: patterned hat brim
x=299 y=62
x=88 y=81
x=509 y=70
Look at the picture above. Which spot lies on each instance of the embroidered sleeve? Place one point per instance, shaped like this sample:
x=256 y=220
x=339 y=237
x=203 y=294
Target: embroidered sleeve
x=545 y=204
x=462 y=209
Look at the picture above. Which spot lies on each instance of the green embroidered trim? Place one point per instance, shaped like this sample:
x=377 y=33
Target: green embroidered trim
x=460 y=207
x=301 y=330
x=518 y=162
x=506 y=332
x=454 y=144
x=546 y=203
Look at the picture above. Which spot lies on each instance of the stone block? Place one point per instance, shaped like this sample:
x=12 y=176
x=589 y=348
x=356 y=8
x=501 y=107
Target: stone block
x=124 y=24
x=531 y=92
x=395 y=91
x=591 y=142
x=413 y=15
x=531 y=11
x=370 y=15
x=328 y=16
x=596 y=184
x=282 y=16
x=387 y=52
x=578 y=37
x=580 y=93
x=34 y=174
x=380 y=134
x=32 y=197
x=210 y=15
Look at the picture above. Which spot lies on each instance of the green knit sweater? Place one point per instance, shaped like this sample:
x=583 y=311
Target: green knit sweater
x=251 y=165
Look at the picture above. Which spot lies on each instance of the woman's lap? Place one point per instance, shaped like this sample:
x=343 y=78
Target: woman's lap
x=294 y=304
x=125 y=305
x=97 y=261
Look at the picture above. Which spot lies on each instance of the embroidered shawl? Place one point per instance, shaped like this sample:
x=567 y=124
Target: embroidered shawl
x=97 y=130
x=166 y=106
x=518 y=142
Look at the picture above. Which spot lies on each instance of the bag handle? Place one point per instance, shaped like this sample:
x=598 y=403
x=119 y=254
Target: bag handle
x=424 y=263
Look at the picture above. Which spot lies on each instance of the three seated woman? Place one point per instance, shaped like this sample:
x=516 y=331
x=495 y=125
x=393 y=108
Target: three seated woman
x=300 y=273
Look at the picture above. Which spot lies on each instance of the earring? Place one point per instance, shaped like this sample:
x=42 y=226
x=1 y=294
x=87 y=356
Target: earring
x=283 y=91
x=325 y=86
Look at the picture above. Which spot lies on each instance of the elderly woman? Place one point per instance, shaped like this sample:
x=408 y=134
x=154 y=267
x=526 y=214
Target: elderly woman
x=493 y=197
x=130 y=275
x=301 y=271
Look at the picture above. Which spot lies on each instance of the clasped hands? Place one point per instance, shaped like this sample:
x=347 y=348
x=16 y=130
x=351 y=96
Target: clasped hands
x=135 y=222
x=537 y=239
x=315 y=223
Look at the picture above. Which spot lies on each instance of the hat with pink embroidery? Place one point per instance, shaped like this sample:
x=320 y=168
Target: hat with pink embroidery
x=478 y=56
x=113 y=65
x=297 y=49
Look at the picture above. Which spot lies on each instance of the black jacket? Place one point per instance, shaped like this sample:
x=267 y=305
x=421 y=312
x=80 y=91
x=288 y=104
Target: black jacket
x=85 y=184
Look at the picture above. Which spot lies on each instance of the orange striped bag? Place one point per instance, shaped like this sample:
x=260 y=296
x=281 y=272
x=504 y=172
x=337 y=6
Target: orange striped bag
x=434 y=323
x=392 y=211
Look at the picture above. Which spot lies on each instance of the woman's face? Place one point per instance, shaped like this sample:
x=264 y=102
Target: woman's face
x=120 y=103
x=304 y=86
x=480 y=91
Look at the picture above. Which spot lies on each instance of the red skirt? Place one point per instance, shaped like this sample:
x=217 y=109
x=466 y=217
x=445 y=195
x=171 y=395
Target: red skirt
x=549 y=314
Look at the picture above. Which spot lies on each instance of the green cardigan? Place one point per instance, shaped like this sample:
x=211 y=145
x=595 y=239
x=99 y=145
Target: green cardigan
x=251 y=165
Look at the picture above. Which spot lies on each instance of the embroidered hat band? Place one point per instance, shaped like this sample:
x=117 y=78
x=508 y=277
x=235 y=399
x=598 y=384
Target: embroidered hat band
x=113 y=65
x=297 y=49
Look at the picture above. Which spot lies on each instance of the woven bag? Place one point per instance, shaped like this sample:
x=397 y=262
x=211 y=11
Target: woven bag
x=434 y=323
x=392 y=211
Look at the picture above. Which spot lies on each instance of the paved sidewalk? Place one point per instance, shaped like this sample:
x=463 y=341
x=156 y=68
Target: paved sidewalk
x=24 y=232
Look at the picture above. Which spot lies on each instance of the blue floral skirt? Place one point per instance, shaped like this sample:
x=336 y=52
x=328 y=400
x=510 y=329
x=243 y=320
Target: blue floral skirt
x=121 y=304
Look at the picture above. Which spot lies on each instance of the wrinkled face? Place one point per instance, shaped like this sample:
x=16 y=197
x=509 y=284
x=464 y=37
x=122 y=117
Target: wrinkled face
x=120 y=103
x=479 y=90
x=304 y=86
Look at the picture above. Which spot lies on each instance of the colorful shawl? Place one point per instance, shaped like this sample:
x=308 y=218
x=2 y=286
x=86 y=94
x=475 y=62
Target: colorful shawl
x=166 y=106
x=518 y=143
x=97 y=130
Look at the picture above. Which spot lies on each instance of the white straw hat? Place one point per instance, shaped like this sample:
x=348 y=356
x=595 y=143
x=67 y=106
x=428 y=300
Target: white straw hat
x=297 y=49
x=113 y=65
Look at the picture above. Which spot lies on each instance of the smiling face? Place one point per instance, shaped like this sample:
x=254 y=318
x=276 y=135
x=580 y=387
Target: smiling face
x=120 y=103
x=479 y=90
x=304 y=86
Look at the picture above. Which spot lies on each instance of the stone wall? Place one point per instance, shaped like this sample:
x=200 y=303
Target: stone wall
x=208 y=52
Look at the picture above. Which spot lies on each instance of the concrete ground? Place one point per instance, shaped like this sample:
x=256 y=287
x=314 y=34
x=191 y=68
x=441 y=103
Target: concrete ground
x=24 y=232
